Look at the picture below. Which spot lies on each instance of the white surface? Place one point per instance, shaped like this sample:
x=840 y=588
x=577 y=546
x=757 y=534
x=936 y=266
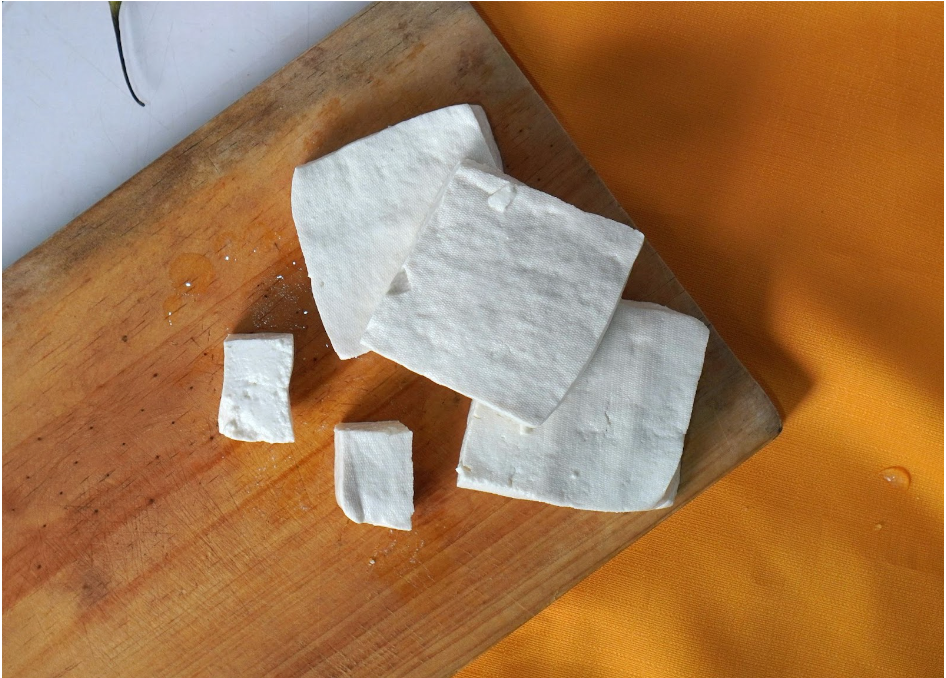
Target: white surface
x=71 y=131
x=374 y=475
x=254 y=401
x=614 y=444
x=505 y=294
x=357 y=210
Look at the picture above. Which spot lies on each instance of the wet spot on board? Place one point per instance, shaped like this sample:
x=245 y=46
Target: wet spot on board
x=191 y=273
x=409 y=56
x=94 y=587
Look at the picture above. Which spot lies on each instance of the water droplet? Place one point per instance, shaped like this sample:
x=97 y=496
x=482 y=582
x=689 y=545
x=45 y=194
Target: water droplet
x=897 y=476
x=173 y=304
x=305 y=313
x=191 y=273
x=371 y=561
x=227 y=258
x=278 y=277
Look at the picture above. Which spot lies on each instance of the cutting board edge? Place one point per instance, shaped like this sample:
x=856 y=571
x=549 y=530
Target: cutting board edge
x=35 y=258
x=75 y=227
x=627 y=219
x=601 y=562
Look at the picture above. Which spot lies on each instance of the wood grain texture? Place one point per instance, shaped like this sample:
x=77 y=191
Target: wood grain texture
x=138 y=541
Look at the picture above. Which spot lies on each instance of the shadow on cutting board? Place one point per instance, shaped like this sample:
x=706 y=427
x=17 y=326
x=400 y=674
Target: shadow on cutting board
x=435 y=414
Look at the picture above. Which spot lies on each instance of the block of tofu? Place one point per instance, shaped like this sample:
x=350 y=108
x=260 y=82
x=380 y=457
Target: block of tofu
x=358 y=210
x=254 y=402
x=615 y=442
x=505 y=294
x=374 y=477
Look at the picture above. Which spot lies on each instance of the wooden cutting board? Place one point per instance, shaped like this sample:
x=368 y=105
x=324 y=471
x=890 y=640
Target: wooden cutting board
x=137 y=541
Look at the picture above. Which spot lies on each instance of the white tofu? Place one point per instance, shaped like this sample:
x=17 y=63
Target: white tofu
x=505 y=294
x=374 y=478
x=254 y=402
x=615 y=442
x=358 y=210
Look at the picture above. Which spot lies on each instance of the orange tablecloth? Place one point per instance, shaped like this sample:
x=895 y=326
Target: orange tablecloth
x=787 y=162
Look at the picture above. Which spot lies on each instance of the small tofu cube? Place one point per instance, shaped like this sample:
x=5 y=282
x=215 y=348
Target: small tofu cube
x=615 y=442
x=254 y=402
x=357 y=210
x=374 y=478
x=505 y=294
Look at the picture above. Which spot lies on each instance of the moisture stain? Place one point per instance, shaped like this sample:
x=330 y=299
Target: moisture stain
x=897 y=476
x=191 y=273
x=224 y=240
x=171 y=306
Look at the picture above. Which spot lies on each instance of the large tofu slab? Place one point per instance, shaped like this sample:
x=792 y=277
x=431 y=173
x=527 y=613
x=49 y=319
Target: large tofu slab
x=505 y=294
x=615 y=442
x=358 y=210
x=254 y=401
x=374 y=478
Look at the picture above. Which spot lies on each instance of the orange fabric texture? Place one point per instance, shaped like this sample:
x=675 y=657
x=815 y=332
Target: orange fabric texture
x=787 y=162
